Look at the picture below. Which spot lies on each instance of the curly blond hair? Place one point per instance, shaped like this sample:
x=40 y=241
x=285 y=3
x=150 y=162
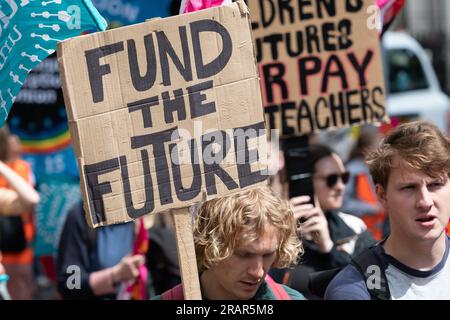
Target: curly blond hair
x=223 y=224
x=420 y=145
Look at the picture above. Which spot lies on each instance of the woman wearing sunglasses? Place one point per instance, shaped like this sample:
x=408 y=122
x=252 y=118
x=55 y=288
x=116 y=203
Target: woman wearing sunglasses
x=330 y=236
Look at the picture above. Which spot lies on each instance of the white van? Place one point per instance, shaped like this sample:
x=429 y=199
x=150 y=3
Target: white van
x=413 y=91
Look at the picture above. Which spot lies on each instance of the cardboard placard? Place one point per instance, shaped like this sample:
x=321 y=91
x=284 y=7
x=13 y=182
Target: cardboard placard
x=319 y=62
x=164 y=113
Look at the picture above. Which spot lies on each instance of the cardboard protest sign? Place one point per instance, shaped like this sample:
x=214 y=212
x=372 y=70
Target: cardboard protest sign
x=164 y=113
x=319 y=62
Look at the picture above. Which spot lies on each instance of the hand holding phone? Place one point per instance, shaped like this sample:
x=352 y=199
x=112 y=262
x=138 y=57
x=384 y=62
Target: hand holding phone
x=312 y=223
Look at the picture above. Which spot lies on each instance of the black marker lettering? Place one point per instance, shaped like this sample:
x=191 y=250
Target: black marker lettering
x=196 y=98
x=157 y=140
x=144 y=106
x=285 y=129
x=186 y=194
x=142 y=83
x=304 y=113
x=217 y=65
x=166 y=49
x=337 y=106
x=213 y=168
x=352 y=106
x=267 y=17
x=96 y=190
x=241 y=136
x=339 y=73
x=97 y=71
x=306 y=70
x=317 y=114
x=361 y=69
x=171 y=105
x=149 y=204
x=277 y=78
x=353 y=5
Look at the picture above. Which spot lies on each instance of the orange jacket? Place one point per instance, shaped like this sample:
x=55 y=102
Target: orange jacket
x=364 y=192
x=26 y=256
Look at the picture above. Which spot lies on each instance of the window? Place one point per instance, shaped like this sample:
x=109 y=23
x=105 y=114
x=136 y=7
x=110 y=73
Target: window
x=405 y=71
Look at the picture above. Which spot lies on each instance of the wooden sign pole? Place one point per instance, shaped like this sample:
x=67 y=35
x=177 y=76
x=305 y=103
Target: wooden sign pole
x=186 y=254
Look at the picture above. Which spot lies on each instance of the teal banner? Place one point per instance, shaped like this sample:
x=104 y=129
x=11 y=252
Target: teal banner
x=58 y=195
x=30 y=31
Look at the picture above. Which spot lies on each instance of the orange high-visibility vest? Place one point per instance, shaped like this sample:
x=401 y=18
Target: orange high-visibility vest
x=22 y=168
x=364 y=192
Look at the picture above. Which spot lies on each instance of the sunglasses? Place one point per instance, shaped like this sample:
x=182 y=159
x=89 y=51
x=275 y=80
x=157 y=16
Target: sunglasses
x=332 y=179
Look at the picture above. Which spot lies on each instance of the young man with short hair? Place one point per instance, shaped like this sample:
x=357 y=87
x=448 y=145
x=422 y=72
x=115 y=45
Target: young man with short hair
x=410 y=168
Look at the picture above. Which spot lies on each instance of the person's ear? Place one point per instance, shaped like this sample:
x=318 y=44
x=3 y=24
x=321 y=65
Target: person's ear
x=381 y=195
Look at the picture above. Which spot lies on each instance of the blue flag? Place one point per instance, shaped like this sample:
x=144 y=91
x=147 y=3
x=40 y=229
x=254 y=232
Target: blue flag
x=30 y=31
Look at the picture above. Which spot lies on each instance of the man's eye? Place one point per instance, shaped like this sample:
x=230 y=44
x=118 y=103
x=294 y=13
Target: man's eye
x=435 y=185
x=408 y=188
x=268 y=255
x=242 y=254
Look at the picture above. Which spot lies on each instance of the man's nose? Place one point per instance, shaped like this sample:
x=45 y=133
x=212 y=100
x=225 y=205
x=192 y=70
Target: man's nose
x=424 y=199
x=256 y=268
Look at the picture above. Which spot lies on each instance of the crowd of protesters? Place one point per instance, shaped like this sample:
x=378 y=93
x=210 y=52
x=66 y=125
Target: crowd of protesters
x=259 y=243
x=389 y=201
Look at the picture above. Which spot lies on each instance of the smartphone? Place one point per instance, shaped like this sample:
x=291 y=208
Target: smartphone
x=298 y=167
